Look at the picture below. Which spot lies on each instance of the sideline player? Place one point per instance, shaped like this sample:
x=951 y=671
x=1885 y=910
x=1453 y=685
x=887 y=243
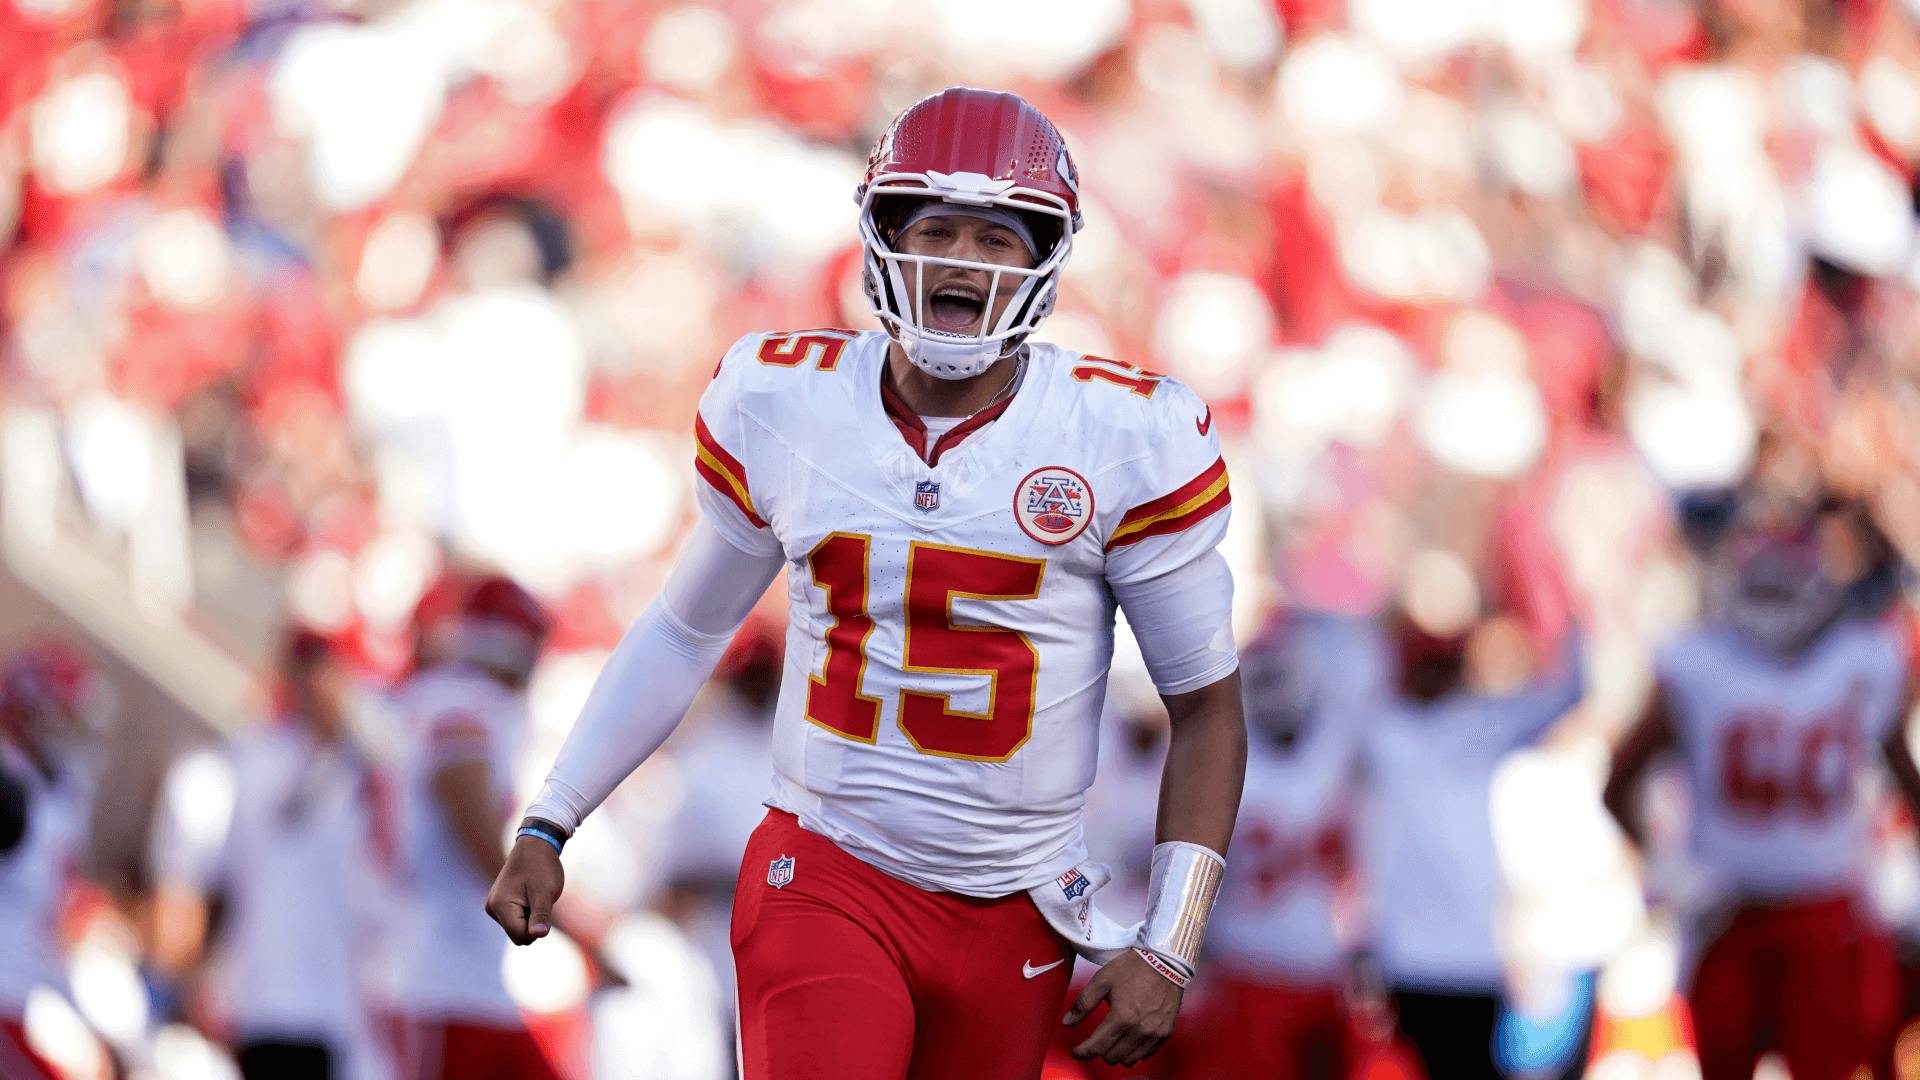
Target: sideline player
x=1778 y=704
x=1275 y=1005
x=465 y=721
x=960 y=509
x=51 y=706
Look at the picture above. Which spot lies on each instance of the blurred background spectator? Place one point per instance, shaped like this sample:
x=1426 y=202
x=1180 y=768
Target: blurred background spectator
x=291 y=871
x=305 y=304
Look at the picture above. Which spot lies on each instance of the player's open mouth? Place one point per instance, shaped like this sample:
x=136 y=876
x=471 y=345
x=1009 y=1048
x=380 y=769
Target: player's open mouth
x=955 y=308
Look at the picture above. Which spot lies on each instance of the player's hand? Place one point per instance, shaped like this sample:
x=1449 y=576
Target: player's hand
x=522 y=897
x=1141 y=1008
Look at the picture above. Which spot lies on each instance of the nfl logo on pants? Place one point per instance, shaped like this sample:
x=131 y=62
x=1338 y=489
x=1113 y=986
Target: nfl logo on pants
x=780 y=871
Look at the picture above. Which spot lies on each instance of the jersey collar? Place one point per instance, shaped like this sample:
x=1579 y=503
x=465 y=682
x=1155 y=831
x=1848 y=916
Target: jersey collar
x=914 y=430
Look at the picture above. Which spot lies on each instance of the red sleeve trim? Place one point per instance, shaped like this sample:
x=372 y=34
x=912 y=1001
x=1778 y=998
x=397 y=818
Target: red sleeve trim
x=1185 y=506
x=723 y=471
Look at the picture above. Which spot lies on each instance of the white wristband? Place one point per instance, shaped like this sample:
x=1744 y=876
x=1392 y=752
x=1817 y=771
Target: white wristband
x=1185 y=882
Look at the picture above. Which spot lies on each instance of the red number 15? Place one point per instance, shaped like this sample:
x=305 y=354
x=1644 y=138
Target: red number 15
x=935 y=644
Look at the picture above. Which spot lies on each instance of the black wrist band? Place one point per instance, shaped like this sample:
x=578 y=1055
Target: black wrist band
x=547 y=830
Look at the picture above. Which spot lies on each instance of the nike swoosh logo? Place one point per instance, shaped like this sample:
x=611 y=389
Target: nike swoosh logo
x=1030 y=971
x=1205 y=424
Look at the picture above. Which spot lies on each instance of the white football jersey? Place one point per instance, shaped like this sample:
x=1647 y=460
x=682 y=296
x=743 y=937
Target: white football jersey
x=1292 y=842
x=951 y=624
x=1776 y=753
x=449 y=951
x=34 y=876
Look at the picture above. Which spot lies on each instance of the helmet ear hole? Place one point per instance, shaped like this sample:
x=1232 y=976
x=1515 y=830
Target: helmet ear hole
x=890 y=214
x=1046 y=230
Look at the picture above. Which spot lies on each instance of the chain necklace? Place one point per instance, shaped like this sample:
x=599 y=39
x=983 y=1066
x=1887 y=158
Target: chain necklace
x=1019 y=373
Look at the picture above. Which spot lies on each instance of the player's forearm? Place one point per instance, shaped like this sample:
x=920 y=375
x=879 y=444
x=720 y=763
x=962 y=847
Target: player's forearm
x=1206 y=766
x=464 y=791
x=639 y=698
x=1899 y=758
x=653 y=675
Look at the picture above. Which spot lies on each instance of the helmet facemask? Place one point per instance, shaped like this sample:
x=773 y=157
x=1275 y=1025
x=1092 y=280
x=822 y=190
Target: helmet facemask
x=897 y=282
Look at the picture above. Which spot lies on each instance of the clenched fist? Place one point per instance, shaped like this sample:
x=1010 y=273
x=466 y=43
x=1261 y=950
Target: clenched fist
x=522 y=897
x=1141 y=1008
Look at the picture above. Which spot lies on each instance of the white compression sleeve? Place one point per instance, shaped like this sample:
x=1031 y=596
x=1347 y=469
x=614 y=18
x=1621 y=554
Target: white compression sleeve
x=1183 y=620
x=651 y=678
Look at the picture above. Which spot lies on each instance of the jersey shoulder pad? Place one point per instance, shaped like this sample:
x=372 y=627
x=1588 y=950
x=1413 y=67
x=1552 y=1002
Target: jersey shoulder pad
x=774 y=378
x=766 y=384
x=1169 y=473
x=764 y=361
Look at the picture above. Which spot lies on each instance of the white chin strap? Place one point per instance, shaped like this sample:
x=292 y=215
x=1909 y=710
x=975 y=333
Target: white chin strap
x=958 y=359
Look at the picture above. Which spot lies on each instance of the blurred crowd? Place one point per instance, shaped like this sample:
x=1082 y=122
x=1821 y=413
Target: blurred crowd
x=1503 y=306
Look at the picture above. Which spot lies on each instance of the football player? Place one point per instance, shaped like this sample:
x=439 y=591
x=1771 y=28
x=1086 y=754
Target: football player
x=51 y=705
x=465 y=720
x=1778 y=704
x=1275 y=1004
x=961 y=509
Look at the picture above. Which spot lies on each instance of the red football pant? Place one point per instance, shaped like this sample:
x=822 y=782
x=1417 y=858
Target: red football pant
x=17 y=1059
x=1806 y=974
x=846 y=973
x=1248 y=1028
x=449 y=1050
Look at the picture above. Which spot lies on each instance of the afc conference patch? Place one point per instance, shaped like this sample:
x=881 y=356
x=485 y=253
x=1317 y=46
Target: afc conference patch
x=926 y=495
x=780 y=872
x=1073 y=884
x=1053 y=505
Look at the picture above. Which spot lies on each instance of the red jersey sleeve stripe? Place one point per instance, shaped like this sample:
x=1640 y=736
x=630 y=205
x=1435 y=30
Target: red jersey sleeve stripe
x=1174 y=499
x=1191 y=502
x=723 y=471
x=1212 y=503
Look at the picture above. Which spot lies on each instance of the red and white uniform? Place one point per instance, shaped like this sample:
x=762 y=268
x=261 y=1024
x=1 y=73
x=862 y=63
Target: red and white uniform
x=1274 y=1001
x=34 y=876
x=1276 y=911
x=952 y=623
x=449 y=953
x=1775 y=755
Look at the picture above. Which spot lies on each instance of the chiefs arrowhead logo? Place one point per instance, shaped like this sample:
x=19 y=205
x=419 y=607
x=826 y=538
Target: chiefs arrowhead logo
x=1205 y=423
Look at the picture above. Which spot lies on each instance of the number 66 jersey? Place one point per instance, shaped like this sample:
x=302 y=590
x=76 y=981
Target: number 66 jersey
x=951 y=602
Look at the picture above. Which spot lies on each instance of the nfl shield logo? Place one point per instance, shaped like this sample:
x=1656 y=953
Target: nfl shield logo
x=926 y=496
x=780 y=871
x=1073 y=884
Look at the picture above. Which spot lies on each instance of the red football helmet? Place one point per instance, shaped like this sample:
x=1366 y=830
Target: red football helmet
x=973 y=148
x=435 y=625
x=502 y=627
x=49 y=697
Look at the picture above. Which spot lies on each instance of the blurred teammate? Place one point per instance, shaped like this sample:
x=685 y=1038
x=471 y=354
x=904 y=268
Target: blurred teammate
x=1275 y=1004
x=465 y=721
x=51 y=704
x=1779 y=705
x=291 y=868
x=960 y=509
x=1427 y=837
